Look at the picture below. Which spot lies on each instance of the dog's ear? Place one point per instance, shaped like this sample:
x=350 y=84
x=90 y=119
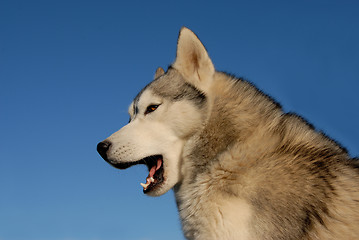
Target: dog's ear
x=192 y=60
x=159 y=72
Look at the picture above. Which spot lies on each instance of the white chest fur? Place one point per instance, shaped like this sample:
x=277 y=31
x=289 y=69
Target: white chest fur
x=207 y=213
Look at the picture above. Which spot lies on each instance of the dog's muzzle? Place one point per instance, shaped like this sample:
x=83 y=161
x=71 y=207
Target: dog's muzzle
x=102 y=149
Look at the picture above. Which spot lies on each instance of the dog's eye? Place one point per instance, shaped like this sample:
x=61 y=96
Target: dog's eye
x=151 y=108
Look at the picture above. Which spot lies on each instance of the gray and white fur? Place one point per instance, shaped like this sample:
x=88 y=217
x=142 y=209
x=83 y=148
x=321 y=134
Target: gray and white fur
x=239 y=166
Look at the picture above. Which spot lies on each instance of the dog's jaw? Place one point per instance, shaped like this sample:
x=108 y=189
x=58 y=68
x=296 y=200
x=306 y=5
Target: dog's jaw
x=136 y=143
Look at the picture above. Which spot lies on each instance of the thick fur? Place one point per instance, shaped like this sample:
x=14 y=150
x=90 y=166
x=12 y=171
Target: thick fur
x=240 y=167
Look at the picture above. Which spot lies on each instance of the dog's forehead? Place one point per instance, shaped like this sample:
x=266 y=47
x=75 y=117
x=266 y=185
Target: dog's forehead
x=162 y=86
x=170 y=86
x=173 y=86
x=148 y=97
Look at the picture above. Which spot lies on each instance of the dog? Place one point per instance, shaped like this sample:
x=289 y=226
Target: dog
x=239 y=166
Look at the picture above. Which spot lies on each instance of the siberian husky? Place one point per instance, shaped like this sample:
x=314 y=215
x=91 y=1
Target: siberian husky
x=239 y=166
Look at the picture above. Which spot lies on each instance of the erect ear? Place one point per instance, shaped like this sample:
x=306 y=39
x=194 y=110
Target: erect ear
x=159 y=72
x=192 y=60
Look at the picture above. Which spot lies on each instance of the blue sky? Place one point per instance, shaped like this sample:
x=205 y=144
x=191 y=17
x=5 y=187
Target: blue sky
x=69 y=69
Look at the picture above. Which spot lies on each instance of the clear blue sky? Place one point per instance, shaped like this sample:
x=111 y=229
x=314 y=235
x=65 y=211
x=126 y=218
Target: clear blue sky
x=69 y=69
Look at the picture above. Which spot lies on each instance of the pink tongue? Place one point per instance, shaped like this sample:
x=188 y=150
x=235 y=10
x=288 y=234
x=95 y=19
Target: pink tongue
x=155 y=168
x=152 y=171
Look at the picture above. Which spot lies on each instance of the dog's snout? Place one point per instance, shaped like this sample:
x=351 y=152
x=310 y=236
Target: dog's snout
x=102 y=149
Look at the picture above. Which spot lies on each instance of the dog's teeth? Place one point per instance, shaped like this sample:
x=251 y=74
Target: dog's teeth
x=149 y=180
x=144 y=185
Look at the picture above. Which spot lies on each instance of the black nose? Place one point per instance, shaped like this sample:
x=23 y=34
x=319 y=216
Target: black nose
x=102 y=148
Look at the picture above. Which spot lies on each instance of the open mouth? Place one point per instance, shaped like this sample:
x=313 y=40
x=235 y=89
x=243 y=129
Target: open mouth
x=155 y=167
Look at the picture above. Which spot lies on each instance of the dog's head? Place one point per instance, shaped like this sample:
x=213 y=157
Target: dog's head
x=163 y=116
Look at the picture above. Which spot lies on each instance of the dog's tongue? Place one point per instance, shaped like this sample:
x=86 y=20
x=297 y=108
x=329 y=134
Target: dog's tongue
x=152 y=172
